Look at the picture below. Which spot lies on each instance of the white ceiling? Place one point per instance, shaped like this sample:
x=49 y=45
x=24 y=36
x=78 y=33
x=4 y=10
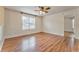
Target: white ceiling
x=31 y=9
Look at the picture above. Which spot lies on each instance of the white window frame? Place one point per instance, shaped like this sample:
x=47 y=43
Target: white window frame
x=28 y=26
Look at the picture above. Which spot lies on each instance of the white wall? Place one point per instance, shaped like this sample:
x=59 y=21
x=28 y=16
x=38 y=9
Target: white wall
x=1 y=26
x=13 y=24
x=77 y=24
x=75 y=13
x=54 y=24
x=57 y=22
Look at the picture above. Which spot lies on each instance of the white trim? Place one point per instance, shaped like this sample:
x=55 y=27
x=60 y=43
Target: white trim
x=56 y=34
x=31 y=33
x=17 y=35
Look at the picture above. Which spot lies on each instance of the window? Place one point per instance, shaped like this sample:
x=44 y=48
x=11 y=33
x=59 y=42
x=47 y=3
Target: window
x=28 y=22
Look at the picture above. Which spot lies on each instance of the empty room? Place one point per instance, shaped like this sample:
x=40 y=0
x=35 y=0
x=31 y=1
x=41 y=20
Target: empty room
x=39 y=29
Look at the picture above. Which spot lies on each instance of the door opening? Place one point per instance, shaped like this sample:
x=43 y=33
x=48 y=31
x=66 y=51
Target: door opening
x=69 y=31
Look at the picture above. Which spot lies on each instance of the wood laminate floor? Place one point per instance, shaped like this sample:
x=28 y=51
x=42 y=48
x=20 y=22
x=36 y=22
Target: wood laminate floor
x=40 y=42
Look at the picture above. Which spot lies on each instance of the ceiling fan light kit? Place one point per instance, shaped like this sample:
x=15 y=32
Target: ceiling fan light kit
x=43 y=10
x=42 y=13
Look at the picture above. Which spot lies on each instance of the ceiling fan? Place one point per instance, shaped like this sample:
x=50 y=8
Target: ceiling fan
x=43 y=9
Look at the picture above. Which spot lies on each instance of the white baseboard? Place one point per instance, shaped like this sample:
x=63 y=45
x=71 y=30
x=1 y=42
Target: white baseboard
x=6 y=37
x=1 y=44
x=17 y=35
x=56 y=34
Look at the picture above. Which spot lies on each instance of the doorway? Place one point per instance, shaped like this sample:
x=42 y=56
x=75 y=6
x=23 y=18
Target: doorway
x=69 y=26
x=69 y=31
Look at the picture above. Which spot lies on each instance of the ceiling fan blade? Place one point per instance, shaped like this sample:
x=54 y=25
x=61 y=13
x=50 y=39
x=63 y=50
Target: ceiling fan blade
x=48 y=8
x=41 y=7
x=46 y=11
